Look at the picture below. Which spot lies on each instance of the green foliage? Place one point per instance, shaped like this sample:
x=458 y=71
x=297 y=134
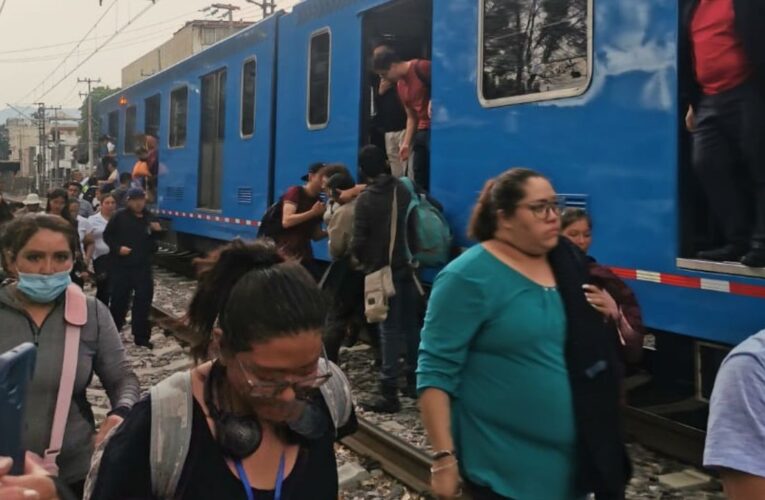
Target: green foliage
x=98 y=93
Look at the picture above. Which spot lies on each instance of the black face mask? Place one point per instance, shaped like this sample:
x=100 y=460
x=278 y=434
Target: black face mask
x=240 y=436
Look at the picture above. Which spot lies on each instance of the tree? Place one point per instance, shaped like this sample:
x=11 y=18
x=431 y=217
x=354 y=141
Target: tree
x=98 y=94
x=5 y=145
x=533 y=45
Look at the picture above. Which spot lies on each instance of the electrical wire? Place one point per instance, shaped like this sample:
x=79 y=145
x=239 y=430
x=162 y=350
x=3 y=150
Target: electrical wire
x=90 y=56
x=2 y=6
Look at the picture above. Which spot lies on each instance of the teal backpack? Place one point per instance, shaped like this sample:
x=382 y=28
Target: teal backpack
x=433 y=235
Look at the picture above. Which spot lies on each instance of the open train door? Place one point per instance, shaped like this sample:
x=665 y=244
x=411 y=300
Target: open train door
x=407 y=27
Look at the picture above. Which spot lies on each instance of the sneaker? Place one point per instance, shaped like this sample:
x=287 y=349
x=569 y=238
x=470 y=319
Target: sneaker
x=754 y=258
x=728 y=253
x=145 y=343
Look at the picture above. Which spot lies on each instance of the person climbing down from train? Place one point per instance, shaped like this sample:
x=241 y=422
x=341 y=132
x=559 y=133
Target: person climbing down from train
x=389 y=117
x=606 y=292
x=412 y=80
x=263 y=409
x=518 y=383
x=343 y=280
x=302 y=212
x=42 y=306
x=371 y=247
x=131 y=235
x=722 y=52
x=735 y=442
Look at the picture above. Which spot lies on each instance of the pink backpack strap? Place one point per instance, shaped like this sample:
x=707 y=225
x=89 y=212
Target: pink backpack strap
x=75 y=315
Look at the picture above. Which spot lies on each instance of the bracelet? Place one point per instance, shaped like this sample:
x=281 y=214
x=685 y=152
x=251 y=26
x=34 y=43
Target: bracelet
x=442 y=454
x=433 y=470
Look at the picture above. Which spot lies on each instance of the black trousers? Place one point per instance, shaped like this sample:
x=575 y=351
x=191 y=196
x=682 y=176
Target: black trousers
x=421 y=159
x=346 y=287
x=729 y=159
x=102 y=268
x=136 y=281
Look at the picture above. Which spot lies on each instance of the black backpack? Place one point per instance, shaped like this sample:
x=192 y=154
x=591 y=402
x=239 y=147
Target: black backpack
x=271 y=222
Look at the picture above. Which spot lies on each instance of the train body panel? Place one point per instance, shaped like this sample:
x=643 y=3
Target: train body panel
x=610 y=143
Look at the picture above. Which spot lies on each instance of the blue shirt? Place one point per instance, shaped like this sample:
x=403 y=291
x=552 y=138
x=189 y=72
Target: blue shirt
x=736 y=428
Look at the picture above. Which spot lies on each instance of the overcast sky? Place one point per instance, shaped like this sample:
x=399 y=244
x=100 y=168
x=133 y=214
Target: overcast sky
x=37 y=35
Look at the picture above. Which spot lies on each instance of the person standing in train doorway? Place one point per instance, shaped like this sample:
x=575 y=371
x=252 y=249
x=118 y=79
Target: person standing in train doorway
x=131 y=235
x=413 y=83
x=723 y=51
x=389 y=118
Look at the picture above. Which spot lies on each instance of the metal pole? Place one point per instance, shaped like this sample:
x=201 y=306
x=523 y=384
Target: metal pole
x=90 y=81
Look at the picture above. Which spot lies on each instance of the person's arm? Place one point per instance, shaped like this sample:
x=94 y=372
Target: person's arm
x=736 y=427
x=411 y=128
x=455 y=314
x=114 y=370
x=361 y=230
x=112 y=233
x=348 y=195
x=290 y=217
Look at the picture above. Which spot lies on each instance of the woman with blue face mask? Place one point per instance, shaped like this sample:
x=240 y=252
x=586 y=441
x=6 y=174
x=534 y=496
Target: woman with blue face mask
x=39 y=250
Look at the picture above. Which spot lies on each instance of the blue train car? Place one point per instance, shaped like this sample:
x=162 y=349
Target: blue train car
x=585 y=92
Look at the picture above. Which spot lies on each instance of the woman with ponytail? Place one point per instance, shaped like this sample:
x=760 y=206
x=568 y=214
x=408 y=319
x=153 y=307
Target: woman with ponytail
x=517 y=374
x=266 y=405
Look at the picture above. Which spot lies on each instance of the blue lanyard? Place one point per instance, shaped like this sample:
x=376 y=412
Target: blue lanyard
x=246 y=482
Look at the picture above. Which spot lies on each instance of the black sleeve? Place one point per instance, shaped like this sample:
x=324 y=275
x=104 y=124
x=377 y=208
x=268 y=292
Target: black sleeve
x=62 y=490
x=351 y=426
x=125 y=470
x=111 y=233
x=360 y=239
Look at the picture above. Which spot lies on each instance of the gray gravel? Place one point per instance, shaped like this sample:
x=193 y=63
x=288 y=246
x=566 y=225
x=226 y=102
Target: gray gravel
x=173 y=292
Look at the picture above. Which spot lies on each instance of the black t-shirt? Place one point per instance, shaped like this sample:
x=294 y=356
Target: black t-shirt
x=125 y=472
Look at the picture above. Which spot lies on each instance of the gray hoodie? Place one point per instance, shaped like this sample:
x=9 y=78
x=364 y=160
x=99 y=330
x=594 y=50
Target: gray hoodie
x=101 y=350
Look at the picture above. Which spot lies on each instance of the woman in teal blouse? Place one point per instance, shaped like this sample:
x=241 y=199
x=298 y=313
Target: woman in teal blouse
x=492 y=375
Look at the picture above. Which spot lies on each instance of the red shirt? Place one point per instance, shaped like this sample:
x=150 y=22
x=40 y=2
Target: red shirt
x=296 y=241
x=414 y=93
x=719 y=58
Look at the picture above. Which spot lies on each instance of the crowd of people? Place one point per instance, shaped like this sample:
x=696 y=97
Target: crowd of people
x=517 y=359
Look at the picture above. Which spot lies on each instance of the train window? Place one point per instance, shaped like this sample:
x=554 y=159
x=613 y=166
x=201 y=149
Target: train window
x=179 y=99
x=130 y=116
x=532 y=51
x=153 y=110
x=249 y=77
x=319 y=62
x=114 y=125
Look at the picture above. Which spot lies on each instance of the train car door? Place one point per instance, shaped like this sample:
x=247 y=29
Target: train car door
x=212 y=134
x=406 y=27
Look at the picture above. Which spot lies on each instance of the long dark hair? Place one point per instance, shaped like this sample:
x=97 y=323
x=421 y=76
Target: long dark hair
x=500 y=193
x=254 y=294
x=60 y=193
x=572 y=215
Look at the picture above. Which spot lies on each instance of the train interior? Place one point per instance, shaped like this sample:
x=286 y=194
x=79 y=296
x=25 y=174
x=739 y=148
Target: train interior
x=405 y=25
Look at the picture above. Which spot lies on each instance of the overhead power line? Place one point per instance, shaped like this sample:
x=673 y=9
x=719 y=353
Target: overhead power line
x=90 y=56
x=2 y=6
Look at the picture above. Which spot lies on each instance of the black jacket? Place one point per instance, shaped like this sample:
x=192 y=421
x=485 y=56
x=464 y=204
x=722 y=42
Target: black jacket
x=750 y=22
x=125 y=229
x=594 y=367
x=371 y=230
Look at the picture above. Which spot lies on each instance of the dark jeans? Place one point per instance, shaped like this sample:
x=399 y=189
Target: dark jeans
x=421 y=158
x=103 y=272
x=729 y=158
x=347 y=289
x=400 y=332
x=137 y=281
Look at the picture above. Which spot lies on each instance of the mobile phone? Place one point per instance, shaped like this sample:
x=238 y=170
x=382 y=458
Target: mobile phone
x=16 y=369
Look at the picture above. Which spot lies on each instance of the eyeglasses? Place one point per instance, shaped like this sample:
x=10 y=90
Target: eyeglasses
x=542 y=209
x=302 y=388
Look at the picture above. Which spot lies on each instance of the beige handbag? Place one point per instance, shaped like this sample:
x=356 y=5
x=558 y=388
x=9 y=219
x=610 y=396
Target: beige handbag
x=378 y=286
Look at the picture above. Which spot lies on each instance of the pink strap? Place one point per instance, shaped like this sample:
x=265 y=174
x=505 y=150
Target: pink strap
x=75 y=311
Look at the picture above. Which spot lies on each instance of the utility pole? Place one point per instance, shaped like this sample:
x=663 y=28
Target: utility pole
x=56 y=176
x=89 y=81
x=42 y=143
x=268 y=6
x=230 y=13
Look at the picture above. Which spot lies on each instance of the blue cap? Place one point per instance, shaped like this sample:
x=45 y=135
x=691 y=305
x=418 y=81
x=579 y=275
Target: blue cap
x=135 y=193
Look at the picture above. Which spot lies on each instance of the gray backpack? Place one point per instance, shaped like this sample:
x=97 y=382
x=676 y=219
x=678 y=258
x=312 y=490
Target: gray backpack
x=171 y=420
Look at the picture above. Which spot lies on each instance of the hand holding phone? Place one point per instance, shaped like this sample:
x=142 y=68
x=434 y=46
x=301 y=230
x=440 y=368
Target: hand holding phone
x=16 y=369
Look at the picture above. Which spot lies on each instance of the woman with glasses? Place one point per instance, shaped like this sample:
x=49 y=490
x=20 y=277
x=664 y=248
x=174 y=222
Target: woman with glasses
x=517 y=380
x=263 y=422
x=607 y=293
